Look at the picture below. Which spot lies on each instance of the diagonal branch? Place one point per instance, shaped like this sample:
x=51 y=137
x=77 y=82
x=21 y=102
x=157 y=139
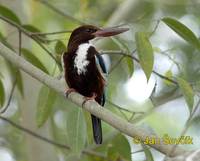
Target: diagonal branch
x=91 y=106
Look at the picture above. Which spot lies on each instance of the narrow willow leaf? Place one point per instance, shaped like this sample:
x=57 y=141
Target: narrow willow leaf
x=88 y=121
x=168 y=74
x=46 y=100
x=33 y=59
x=33 y=29
x=59 y=49
x=4 y=11
x=148 y=154
x=145 y=52
x=119 y=148
x=187 y=92
x=20 y=82
x=76 y=130
x=2 y=93
x=130 y=65
x=182 y=31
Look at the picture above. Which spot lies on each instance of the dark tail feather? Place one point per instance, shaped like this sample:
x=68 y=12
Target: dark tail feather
x=96 y=124
x=97 y=131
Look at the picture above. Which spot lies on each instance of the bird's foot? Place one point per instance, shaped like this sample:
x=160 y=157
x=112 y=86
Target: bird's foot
x=68 y=91
x=94 y=95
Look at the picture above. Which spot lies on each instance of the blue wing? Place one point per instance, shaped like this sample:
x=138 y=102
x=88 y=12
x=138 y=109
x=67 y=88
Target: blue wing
x=102 y=68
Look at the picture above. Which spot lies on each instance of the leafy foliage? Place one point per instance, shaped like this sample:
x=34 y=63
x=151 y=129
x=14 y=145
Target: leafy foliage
x=128 y=61
x=76 y=130
x=6 y=12
x=45 y=104
x=182 y=31
x=187 y=92
x=168 y=74
x=2 y=93
x=119 y=148
x=148 y=154
x=145 y=52
x=33 y=59
x=59 y=49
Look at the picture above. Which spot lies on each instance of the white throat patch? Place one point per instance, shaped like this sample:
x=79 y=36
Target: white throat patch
x=80 y=61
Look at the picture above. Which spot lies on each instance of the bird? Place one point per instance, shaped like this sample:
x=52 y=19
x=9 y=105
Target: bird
x=84 y=68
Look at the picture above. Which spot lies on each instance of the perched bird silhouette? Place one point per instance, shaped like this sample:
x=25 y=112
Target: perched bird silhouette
x=83 y=67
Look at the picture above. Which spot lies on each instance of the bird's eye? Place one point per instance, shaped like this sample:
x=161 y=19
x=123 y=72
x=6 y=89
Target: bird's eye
x=89 y=30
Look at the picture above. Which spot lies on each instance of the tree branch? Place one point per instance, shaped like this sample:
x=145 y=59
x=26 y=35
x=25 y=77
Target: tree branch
x=91 y=106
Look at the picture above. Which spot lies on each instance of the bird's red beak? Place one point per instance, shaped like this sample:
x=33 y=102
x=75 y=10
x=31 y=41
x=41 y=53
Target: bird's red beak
x=109 y=31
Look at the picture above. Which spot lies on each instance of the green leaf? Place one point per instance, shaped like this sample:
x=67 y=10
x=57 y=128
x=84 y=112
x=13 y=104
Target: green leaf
x=5 y=12
x=2 y=93
x=20 y=82
x=130 y=65
x=59 y=49
x=168 y=74
x=148 y=154
x=33 y=59
x=182 y=31
x=76 y=130
x=119 y=148
x=145 y=52
x=33 y=29
x=45 y=104
x=187 y=92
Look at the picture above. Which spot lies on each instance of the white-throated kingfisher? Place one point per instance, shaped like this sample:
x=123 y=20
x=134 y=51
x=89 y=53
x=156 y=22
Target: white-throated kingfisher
x=81 y=68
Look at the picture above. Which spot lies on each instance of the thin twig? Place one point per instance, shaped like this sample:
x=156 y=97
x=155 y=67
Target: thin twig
x=116 y=64
x=155 y=28
x=32 y=37
x=4 y=109
x=34 y=134
x=50 y=33
x=187 y=125
x=138 y=151
x=121 y=108
x=137 y=60
x=42 y=138
x=170 y=58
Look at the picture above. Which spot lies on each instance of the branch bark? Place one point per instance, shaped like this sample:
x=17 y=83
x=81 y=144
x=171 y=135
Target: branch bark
x=91 y=106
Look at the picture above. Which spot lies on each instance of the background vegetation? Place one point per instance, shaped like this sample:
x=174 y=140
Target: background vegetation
x=153 y=79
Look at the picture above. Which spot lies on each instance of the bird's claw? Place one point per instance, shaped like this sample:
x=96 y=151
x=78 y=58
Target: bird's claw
x=94 y=95
x=68 y=91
